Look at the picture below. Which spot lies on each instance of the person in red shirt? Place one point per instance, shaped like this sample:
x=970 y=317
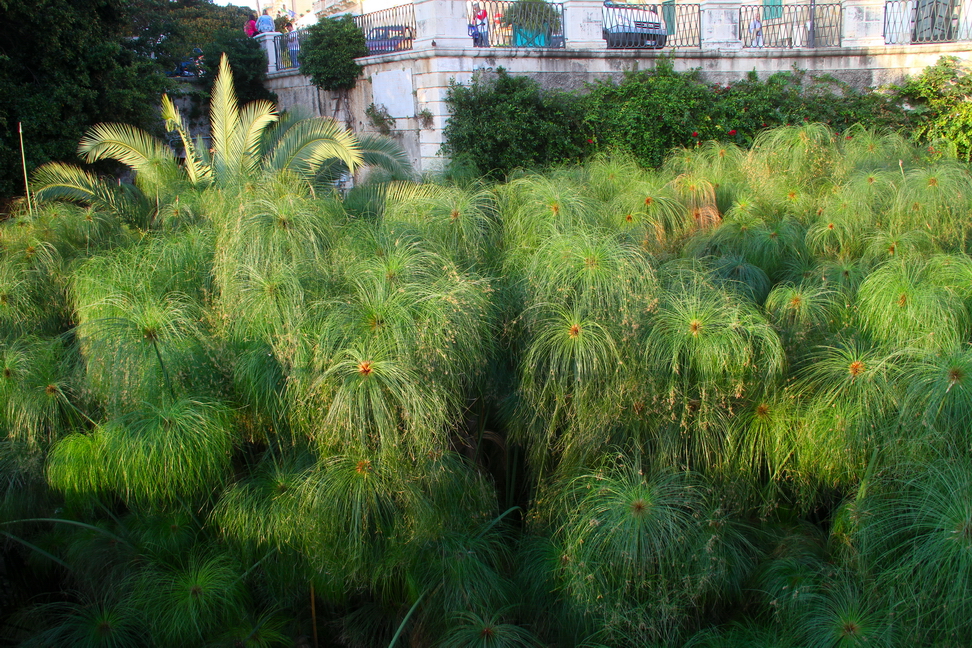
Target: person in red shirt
x=479 y=28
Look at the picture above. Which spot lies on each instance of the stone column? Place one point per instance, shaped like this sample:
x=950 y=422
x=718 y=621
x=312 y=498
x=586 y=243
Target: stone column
x=441 y=23
x=583 y=22
x=864 y=23
x=266 y=40
x=720 y=25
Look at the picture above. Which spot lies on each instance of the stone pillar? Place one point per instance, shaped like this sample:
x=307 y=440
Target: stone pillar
x=720 y=25
x=441 y=23
x=267 y=42
x=864 y=23
x=583 y=22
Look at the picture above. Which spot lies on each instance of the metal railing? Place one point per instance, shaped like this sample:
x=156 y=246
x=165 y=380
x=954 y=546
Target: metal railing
x=927 y=21
x=288 y=49
x=501 y=23
x=652 y=26
x=790 y=26
x=388 y=30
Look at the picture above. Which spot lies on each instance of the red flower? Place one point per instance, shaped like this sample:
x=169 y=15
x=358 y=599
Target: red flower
x=732 y=132
x=695 y=133
x=806 y=119
x=764 y=124
x=590 y=141
x=849 y=137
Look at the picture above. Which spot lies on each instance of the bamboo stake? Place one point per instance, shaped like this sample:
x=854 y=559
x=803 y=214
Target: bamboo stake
x=23 y=161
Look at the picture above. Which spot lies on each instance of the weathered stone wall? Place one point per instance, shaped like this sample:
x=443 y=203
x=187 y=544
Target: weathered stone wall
x=410 y=83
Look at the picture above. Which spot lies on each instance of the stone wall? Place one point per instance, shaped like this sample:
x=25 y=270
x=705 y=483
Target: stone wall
x=414 y=83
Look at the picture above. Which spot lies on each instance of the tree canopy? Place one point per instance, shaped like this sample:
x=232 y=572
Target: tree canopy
x=66 y=65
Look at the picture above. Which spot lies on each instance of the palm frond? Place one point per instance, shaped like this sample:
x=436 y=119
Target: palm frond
x=224 y=118
x=386 y=154
x=309 y=143
x=59 y=181
x=254 y=119
x=146 y=155
x=199 y=173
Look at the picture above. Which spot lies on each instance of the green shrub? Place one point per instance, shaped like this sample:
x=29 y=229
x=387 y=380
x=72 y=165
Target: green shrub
x=328 y=53
x=532 y=15
x=939 y=97
x=507 y=122
x=750 y=105
x=649 y=113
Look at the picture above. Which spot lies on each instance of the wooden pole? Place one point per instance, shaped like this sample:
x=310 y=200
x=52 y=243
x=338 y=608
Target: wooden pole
x=23 y=160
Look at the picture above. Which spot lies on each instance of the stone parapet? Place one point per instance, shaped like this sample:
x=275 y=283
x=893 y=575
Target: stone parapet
x=583 y=23
x=267 y=42
x=440 y=23
x=863 y=23
x=720 y=26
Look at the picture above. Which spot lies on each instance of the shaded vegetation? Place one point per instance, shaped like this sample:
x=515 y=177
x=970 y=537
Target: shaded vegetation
x=721 y=402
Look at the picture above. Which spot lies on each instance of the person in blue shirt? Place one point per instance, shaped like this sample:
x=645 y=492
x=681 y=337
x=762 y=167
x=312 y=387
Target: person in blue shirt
x=265 y=23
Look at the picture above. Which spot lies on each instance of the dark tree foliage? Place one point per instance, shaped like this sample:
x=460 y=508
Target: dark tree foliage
x=64 y=66
x=507 y=122
x=168 y=30
x=328 y=56
x=249 y=63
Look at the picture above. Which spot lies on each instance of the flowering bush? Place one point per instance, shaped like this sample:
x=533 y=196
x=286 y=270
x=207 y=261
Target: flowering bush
x=512 y=122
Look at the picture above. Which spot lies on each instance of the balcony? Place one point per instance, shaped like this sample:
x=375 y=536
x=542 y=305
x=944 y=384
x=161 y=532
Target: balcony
x=498 y=23
x=388 y=30
x=909 y=22
x=790 y=26
x=653 y=26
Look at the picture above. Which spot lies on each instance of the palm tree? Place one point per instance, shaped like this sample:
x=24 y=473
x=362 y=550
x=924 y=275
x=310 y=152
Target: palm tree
x=244 y=146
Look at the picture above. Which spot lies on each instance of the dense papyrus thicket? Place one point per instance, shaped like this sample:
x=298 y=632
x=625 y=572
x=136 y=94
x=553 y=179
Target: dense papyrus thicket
x=725 y=402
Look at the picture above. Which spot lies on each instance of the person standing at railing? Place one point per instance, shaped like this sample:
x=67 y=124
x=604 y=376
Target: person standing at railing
x=293 y=45
x=479 y=29
x=756 y=29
